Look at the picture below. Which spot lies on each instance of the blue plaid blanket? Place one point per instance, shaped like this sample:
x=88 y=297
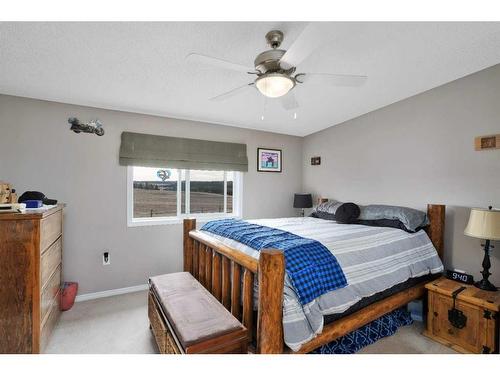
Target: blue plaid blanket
x=311 y=267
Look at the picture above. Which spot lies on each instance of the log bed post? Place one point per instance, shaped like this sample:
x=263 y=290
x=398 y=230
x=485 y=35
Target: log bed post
x=436 y=214
x=270 y=311
x=189 y=225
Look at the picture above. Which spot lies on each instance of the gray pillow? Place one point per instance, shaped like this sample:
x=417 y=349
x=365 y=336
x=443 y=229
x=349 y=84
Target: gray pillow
x=329 y=207
x=412 y=219
x=322 y=215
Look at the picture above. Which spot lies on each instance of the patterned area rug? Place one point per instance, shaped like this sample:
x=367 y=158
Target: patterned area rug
x=384 y=326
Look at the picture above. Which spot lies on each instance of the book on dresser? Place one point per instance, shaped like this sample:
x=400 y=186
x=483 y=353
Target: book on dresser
x=30 y=278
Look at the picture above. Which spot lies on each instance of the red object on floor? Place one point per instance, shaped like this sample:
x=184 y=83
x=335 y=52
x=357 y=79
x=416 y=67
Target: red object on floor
x=68 y=295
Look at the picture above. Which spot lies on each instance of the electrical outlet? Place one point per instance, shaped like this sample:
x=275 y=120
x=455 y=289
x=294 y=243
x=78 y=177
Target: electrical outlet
x=106 y=258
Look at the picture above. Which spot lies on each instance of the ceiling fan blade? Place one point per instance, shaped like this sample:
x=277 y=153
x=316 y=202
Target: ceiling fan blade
x=289 y=101
x=311 y=38
x=218 y=63
x=230 y=93
x=347 y=80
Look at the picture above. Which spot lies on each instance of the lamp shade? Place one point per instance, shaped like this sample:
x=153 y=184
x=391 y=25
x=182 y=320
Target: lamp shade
x=483 y=224
x=302 y=201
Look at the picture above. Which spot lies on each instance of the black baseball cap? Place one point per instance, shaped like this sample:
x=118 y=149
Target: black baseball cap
x=36 y=196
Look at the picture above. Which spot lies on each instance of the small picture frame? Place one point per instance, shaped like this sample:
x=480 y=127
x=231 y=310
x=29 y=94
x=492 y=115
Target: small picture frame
x=316 y=160
x=269 y=160
x=487 y=142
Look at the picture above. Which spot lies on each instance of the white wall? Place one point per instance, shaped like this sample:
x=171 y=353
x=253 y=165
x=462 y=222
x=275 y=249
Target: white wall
x=419 y=151
x=38 y=152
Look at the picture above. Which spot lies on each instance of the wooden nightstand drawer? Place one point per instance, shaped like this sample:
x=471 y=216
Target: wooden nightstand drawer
x=480 y=308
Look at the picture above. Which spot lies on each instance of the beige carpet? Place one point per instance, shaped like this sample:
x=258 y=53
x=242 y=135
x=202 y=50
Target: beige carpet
x=120 y=325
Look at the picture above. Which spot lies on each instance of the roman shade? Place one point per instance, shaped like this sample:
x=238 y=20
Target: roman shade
x=145 y=150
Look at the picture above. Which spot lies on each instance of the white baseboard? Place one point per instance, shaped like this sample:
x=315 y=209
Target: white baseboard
x=109 y=293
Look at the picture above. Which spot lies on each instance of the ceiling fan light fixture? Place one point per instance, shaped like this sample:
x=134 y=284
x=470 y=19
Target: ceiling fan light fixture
x=274 y=85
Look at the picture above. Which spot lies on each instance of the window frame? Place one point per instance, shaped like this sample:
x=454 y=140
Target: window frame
x=178 y=219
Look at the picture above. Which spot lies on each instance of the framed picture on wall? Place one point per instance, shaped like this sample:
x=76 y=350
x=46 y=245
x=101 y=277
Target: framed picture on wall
x=268 y=160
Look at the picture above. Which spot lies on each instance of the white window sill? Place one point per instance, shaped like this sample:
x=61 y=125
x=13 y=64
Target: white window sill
x=143 y=222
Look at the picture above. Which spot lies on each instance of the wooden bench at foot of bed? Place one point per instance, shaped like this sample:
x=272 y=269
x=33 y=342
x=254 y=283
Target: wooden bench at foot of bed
x=186 y=319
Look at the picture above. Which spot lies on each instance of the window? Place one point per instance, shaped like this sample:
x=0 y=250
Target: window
x=164 y=195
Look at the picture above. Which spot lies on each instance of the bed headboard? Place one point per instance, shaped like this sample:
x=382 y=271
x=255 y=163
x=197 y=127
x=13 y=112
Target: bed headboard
x=435 y=230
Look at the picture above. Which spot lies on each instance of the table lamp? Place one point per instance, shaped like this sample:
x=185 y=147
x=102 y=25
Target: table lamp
x=302 y=201
x=484 y=224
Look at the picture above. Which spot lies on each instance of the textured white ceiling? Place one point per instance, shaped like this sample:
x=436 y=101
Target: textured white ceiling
x=140 y=67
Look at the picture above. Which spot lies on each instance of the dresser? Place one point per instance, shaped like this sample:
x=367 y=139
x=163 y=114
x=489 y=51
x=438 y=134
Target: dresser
x=30 y=278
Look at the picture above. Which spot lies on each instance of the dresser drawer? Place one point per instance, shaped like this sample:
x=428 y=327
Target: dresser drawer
x=50 y=260
x=49 y=293
x=50 y=230
x=49 y=324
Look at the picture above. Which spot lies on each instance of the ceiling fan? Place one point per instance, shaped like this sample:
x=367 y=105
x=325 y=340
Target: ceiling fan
x=275 y=69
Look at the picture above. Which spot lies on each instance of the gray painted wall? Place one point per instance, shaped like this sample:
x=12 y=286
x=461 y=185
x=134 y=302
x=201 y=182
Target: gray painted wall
x=411 y=153
x=38 y=152
x=419 y=151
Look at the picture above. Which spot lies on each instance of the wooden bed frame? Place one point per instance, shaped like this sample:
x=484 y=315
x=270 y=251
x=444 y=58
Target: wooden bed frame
x=219 y=268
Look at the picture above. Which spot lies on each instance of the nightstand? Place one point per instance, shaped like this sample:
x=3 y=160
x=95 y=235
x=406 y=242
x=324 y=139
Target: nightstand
x=476 y=330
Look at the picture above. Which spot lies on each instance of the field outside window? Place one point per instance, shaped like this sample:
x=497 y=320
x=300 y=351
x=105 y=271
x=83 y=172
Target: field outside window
x=165 y=193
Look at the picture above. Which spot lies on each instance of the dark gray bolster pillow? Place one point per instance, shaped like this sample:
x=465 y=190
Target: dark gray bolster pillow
x=347 y=213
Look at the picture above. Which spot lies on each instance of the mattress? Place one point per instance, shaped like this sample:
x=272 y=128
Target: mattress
x=380 y=296
x=373 y=259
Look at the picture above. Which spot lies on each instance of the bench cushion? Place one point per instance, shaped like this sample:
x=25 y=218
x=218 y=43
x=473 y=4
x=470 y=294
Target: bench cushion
x=195 y=315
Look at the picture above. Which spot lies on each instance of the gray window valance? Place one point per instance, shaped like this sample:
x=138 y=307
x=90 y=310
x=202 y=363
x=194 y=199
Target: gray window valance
x=145 y=150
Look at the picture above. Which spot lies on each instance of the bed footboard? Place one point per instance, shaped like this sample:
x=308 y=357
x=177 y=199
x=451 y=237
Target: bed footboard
x=220 y=269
